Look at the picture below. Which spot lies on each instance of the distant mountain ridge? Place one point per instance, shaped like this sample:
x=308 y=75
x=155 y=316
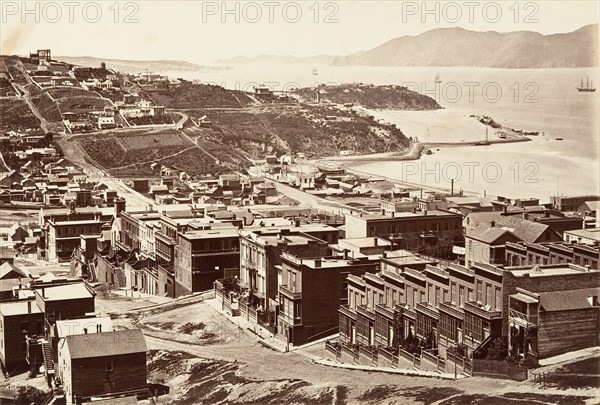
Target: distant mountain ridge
x=135 y=66
x=281 y=59
x=461 y=47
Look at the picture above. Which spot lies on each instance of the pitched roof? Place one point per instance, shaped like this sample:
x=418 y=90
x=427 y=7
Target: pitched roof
x=529 y=231
x=106 y=344
x=593 y=205
x=489 y=235
x=6 y=269
x=526 y=230
x=568 y=299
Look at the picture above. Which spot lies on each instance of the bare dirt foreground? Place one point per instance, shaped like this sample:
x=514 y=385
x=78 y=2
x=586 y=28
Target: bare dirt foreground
x=206 y=359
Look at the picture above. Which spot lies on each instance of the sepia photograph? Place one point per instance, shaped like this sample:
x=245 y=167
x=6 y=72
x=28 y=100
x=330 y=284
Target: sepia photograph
x=299 y=202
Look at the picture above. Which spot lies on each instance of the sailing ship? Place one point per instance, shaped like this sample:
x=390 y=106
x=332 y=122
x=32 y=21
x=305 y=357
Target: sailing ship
x=487 y=140
x=589 y=86
x=437 y=78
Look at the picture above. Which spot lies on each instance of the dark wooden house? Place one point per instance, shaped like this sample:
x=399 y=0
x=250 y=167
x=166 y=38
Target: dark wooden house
x=103 y=364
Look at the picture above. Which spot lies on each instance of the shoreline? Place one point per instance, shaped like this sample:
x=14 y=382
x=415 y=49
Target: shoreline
x=417 y=148
x=415 y=152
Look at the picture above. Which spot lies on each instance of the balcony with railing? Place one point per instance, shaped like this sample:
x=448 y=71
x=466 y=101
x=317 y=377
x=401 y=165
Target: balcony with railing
x=346 y=311
x=450 y=309
x=522 y=319
x=429 y=310
x=164 y=238
x=484 y=312
x=523 y=309
x=406 y=311
x=122 y=246
x=365 y=311
x=384 y=310
x=291 y=294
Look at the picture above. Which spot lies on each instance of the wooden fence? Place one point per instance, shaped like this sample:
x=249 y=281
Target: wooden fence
x=498 y=369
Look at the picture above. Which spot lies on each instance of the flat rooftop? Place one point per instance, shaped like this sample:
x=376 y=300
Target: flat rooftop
x=590 y=233
x=326 y=263
x=83 y=325
x=545 y=271
x=64 y=292
x=211 y=234
x=403 y=257
x=364 y=242
x=12 y=308
x=81 y=222
x=409 y=214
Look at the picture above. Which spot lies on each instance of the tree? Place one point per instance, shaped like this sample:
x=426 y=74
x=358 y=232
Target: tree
x=48 y=138
x=30 y=395
x=36 y=157
x=497 y=349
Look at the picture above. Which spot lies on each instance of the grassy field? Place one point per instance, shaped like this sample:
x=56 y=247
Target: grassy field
x=15 y=115
x=158 y=140
x=44 y=104
x=13 y=64
x=195 y=163
x=68 y=92
x=6 y=89
x=79 y=104
x=321 y=131
x=190 y=96
x=110 y=153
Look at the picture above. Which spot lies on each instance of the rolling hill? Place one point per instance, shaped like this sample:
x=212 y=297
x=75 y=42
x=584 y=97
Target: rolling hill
x=460 y=47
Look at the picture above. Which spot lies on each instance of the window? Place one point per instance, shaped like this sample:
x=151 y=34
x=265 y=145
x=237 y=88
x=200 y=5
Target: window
x=473 y=327
x=448 y=327
x=453 y=293
x=479 y=291
x=109 y=365
x=461 y=295
x=488 y=295
x=498 y=299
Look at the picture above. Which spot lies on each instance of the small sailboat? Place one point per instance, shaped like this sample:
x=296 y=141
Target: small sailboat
x=315 y=72
x=588 y=88
x=437 y=78
x=487 y=141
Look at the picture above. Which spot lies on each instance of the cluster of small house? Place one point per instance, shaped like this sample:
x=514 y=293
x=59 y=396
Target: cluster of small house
x=47 y=73
x=299 y=274
x=52 y=184
x=227 y=189
x=49 y=325
x=121 y=113
x=294 y=274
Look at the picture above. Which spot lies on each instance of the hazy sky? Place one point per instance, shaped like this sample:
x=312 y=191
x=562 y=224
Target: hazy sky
x=203 y=31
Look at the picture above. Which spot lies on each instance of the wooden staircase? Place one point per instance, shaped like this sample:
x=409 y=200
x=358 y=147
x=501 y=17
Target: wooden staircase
x=92 y=270
x=47 y=353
